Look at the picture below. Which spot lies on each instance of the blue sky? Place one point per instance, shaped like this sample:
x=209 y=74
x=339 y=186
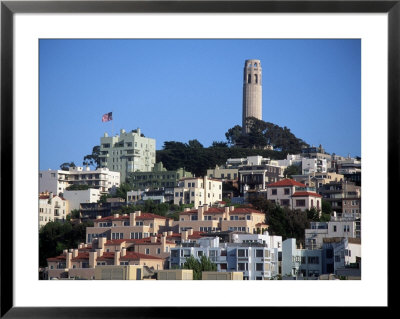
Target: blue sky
x=178 y=90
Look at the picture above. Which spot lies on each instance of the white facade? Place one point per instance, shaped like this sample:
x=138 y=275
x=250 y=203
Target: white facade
x=342 y=227
x=313 y=165
x=291 y=159
x=198 y=191
x=52 y=208
x=127 y=152
x=266 y=239
x=56 y=181
x=76 y=197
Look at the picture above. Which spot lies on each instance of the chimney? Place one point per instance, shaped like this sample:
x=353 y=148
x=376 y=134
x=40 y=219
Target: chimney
x=190 y=231
x=101 y=242
x=205 y=207
x=170 y=232
x=184 y=235
x=99 y=252
x=98 y=217
x=68 y=260
x=116 y=215
x=117 y=255
x=225 y=215
x=186 y=209
x=231 y=208
x=163 y=241
x=200 y=213
x=75 y=253
x=164 y=234
x=153 y=239
x=65 y=252
x=51 y=195
x=132 y=219
x=92 y=259
x=81 y=245
x=123 y=252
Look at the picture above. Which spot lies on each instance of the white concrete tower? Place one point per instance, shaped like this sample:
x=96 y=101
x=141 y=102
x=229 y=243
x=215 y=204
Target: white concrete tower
x=252 y=92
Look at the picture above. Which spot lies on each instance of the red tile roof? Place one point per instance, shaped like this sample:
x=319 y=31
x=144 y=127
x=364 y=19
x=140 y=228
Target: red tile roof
x=58 y=258
x=142 y=216
x=215 y=210
x=81 y=256
x=305 y=194
x=285 y=183
x=106 y=255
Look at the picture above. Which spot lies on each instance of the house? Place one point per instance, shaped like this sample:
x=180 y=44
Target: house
x=52 y=208
x=213 y=219
x=294 y=195
x=198 y=191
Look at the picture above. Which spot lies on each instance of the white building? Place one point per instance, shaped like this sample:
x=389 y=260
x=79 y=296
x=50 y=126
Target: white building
x=127 y=152
x=291 y=159
x=266 y=239
x=198 y=191
x=76 y=197
x=314 y=165
x=299 y=263
x=347 y=226
x=56 y=181
x=52 y=208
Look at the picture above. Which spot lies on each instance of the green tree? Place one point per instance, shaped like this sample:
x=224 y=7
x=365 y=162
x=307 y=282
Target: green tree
x=93 y=159
x=233 y=134
x=122 y=190
x=216 y=144
x=66 y=166
x=77 y=187
x=292 y=170
x=198 y=266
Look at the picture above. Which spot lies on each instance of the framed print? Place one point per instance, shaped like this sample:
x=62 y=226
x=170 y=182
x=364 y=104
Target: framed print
x=29 y=28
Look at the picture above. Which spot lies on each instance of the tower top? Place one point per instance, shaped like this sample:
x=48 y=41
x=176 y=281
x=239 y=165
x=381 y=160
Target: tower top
x=252 y=63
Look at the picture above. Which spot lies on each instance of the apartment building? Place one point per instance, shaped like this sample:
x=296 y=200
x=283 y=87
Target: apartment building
x=77 y=197
x=317 y=179
x=52 y=208
x=57 y=181
x=336 y=193
x=313 y=165
x=255 y=260
x=342 y=256
x=81 y=263
x=214 y=219
x=344 y=226
x=127 y=152
x=136 y=225
x=158 y=177
x=294 y=195
x=299 y=263
x=198 y=191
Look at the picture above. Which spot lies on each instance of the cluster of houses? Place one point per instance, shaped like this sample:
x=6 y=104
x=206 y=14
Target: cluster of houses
x=141 y=245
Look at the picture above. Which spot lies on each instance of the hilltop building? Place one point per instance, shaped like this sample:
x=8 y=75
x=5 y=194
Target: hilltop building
x=127 y=152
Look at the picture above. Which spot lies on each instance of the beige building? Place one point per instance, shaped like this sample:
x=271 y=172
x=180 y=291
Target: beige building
x=125 y=272
x=318 y=179
x=175 y=274
x=207 y=219
x=224 y=173
x=198 y=191
x=136 y=225
x=82 y=262
x=215 y=275
x=52 y=208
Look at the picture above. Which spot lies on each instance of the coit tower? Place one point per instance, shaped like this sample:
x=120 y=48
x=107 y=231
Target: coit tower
x=252 y=92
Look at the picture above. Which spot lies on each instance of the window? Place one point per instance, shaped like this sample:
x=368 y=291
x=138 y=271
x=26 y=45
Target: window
x=313 y=260
x=285 y=202
x=300 y=202
x=158 y=251
x=147 y=251
x=186 y=253
x=199 y=253
x=334 y=228
x=259 y=267
x=259 y=253
x=242 y=253
x=287 y=191
x=273 y=191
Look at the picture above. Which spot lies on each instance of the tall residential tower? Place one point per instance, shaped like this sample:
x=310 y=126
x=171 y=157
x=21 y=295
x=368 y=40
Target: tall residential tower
x=252 y=92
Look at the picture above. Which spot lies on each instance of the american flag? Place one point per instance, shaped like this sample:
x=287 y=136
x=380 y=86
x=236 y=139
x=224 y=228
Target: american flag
x=107 y=117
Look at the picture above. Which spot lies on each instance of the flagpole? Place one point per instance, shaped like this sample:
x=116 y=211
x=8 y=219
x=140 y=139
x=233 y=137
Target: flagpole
x=112 y=121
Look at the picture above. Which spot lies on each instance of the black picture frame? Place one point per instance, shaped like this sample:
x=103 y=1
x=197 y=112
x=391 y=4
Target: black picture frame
x=9 y=8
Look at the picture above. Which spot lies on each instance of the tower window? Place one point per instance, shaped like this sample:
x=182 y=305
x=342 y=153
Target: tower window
x=256 y=78
x=249 y=78
x=255 y=65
